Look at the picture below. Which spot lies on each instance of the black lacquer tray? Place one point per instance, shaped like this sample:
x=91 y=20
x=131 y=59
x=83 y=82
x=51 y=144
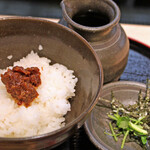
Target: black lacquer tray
x=137 y=69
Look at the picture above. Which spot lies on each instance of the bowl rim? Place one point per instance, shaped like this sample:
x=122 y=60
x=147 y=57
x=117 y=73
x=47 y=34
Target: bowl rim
x=89 y=108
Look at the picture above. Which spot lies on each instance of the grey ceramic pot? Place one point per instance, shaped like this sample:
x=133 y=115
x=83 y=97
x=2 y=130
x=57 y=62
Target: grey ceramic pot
x=102 y=30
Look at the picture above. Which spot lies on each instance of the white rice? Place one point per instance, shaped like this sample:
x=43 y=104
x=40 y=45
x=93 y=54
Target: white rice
x=47 y=111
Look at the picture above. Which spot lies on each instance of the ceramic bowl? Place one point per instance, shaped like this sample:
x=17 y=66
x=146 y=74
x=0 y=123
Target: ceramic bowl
x=20 y=35
x=98 y=122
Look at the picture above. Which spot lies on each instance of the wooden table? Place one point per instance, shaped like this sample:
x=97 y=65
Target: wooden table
x=138 y=32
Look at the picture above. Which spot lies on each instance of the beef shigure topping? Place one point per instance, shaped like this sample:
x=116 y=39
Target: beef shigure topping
x=21 y=84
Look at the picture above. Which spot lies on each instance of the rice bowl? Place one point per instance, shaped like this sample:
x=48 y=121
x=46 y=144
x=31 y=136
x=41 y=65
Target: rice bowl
x=20 y=35
x=47 y=111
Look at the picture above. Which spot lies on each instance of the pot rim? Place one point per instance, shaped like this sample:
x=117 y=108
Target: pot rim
x=93 y=29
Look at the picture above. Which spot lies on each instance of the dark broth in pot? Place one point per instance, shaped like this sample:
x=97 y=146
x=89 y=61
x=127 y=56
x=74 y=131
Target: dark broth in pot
x=91 y=18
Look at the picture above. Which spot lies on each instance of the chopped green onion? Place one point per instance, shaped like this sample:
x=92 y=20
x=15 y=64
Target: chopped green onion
x=113 y=133
x=124 y=139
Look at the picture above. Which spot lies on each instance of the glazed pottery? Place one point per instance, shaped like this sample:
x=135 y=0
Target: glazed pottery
x=18 y=37
x=97 y=123
x=98 y=22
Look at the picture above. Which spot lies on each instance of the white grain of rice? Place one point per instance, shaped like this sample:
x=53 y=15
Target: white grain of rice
x=9 y=57
x=40 y=47
x=47 y=111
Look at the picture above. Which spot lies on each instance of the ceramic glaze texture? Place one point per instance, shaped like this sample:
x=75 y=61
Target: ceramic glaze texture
x=103 y=32
x=98 y=122
x=20 y=35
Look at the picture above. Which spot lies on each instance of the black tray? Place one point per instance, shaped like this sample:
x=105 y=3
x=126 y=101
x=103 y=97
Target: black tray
x=137 y=69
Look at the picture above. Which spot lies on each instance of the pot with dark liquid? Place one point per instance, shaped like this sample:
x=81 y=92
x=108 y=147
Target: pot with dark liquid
x=98 y=22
